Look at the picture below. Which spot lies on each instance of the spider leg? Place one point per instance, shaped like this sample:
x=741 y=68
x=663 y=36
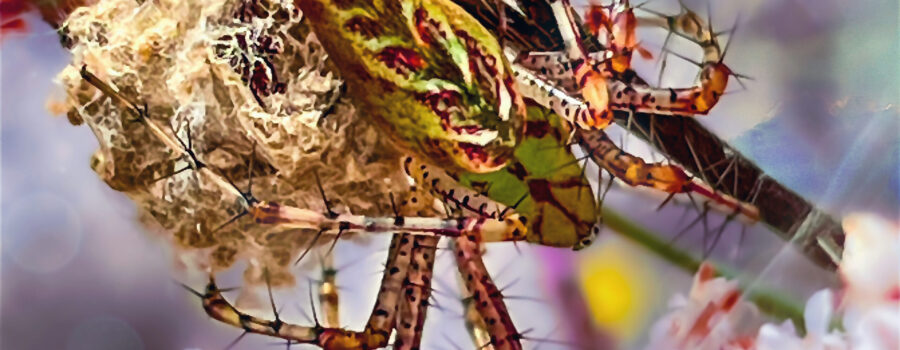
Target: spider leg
x=486 y=314
x=616 y=24
x=444 y=187
x=599 y=77
x=491 y=318
x=413 y=301
x=663 y=177
x=698 y=99
x=589 y=73
x=474 y=323
x=375 y=335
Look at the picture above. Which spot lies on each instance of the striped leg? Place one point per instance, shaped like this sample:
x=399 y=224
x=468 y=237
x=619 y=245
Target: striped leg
x=714 y=73
x=459 y=198
x=413 y=301
x=375 y=335
x=630 y=169
x=494 y=230
x=485 y=296
x=664 y=177
x=474 y=323
x=599 y=77
x=588 y=73
x=616 y=24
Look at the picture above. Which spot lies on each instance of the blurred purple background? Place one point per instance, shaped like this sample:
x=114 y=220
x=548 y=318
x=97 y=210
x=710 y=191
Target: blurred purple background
x=78 y=272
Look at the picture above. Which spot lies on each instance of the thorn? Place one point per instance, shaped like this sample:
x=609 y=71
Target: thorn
x=250 y=169
x=691 y=198
x=525 y=298
x=394 y=205
x=583 y=171
x=733 y=30
x=514 y=206
x=189 y=289
x=233 y=219
x=731 y=165
x=571 y=163
x=696 y=158
x=716 y=237
x=740 y=242
x=236 y=340
x=248 y=198
x=176 y=172
x=683 y=57
x=666 y=201
x=313 y=306
x=691 y=224
x=334 y=242
x=271 y=298
x=303 y=312
x=311 y=245
x=331 y=213
x=608 y=187
x=186 y=147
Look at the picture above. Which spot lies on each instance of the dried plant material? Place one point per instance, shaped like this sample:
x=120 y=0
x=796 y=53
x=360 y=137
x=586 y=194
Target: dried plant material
x=241 y=83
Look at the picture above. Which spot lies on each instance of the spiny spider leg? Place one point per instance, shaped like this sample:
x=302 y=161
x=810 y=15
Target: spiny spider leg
x=486 y=297
x=616 y=23
x=474 y=323
x=413 y=301
x=375 y=335
x=293 y=217
x=588 y=73
x=272 y=213
x=682 y=101
x=442 y=186
x=604 y=88
x=667 y=178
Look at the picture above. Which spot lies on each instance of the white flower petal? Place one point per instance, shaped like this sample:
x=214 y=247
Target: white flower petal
x=817 y=314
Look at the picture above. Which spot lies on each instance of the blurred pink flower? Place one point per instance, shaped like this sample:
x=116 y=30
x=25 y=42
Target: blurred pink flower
x=870 y=300
x=817 y=318
x=870 y=269
x=713 y=316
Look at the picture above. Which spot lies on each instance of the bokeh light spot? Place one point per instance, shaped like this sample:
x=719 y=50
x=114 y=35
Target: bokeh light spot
x=618 y=287
x=41 y=232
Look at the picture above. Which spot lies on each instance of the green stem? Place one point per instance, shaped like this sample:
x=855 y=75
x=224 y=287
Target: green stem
x=775 y=303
